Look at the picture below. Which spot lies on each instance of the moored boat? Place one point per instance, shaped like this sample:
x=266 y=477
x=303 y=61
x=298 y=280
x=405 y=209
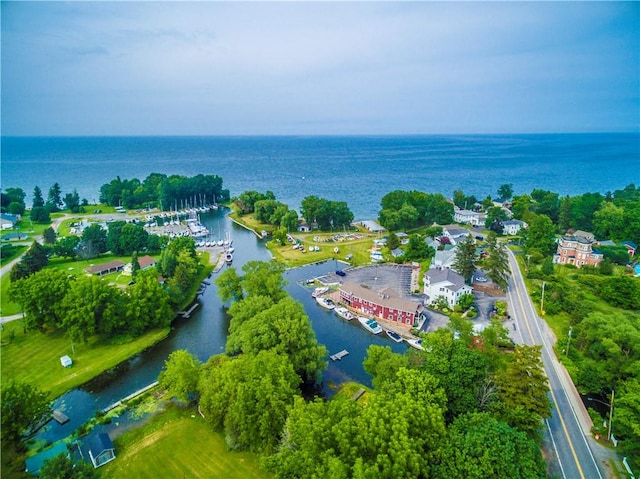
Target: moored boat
x=344 y=313
x=326 y=303
x=415 y=343
x=370 y=325
x=228 y=257
x=394 y=336
x=319 y=291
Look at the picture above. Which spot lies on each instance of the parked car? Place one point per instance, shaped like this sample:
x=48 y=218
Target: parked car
x=340 y=273
x=481 y=279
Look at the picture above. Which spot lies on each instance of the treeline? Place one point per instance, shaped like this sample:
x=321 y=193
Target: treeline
x=166 y=192
x=319 y=213
x=86 y=306
x=424 y=419
x=12 y=200
x=410 y=209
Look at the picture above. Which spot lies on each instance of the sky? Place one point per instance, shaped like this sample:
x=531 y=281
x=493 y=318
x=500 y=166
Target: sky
x=305 y=68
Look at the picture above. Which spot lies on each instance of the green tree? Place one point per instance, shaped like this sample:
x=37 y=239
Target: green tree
x=63 y=467
x=540 y=235
x=36 y=258
x=418 y=249
x=249 y=397
x=135 y=264
x=546 y=203
x=284 y=328
x=565 y=218
x=583 y=208
x=465 y=261
x=497 y=264
x=433 y=231
x=622 y=291
x=67 y=247
x=38 y=200
x=382 y=364
x=506 y=191
x=608 y=222
x=496 y=215
x=264 y=278
x=290 y=221
x=24 y=408
x=466 y=300
x=40 y=214
x=96 y=235
x=54 y=201
x=506 y=452
x=438 y=210
x=522 y=391
x=627 y=416
x=393 y=241
x=49 y=236
x=92 y=307
x=180 y=374
x=229 y=285
x=41 y=295
x=147 y=304
x=521 y=207
x=72 y=201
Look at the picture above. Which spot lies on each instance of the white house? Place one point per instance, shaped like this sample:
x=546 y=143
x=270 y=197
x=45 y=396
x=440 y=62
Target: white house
x=445 y=258
x=511 y=227
x=446 y=283
x=469 y=217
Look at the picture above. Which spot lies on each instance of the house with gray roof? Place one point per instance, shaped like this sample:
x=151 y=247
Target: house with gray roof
x=444 y=258
x=455 y=233
x=444 y=282
x=512 y=227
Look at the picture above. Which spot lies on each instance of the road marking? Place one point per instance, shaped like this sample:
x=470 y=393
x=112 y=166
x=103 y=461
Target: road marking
x=553 y=396
x=555 y=447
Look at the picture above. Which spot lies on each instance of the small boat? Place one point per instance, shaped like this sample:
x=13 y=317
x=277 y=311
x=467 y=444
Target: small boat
x=325 y=302
x=415 y=343
x=336 y=250
x=228 y=257
x=344 y=313
x=319 y=292
x=220 y=243
x=231 y=249
x=394 y=336
x=370 y=325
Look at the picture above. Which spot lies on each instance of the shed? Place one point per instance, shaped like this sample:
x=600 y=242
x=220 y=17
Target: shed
x=66 y=361
x=101 y=449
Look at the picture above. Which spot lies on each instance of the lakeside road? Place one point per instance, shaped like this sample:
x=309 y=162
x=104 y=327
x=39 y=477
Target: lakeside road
x=569 y=427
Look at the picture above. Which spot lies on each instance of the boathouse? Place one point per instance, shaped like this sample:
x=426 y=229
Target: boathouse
x=105 y=268
x=98 y=449
x=384 y=304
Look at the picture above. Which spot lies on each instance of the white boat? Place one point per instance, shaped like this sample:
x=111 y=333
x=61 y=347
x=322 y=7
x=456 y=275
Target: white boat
x=220 y=243
x=326 y=303
x=228 y=257
x=231 y=249
x=344 y=313
x=319 y=292
x=415 y=343
x=370 y=325
x=393 y=336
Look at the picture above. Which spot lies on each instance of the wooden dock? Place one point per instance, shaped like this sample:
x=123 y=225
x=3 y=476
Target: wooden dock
x=339 y=356
x=130 y=396
x=357 y=395
x=187 y=314
x=59 y=416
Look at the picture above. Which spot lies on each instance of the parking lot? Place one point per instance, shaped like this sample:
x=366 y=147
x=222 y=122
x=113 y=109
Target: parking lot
x=378 y=278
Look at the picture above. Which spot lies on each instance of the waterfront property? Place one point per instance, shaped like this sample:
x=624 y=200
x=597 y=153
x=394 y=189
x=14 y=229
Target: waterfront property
x=384 y=304
x=512 y=227
x=473 y=218
x=144 y=262
x=577 y=250
x=444 y=282
x=98 y=449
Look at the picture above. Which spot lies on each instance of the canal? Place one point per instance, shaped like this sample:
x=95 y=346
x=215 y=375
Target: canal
x=205 y=333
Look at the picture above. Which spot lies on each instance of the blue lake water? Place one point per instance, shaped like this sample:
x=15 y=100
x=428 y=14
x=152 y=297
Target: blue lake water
x=356 y=169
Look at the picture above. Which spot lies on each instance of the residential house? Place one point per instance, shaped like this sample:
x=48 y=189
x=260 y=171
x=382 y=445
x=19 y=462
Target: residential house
x=473 y=218
x=444 y=282
x=512 y=227
x=105 y=268
x=444 y=258
x=8 y=221
x=385 y=304
x=455 y=233
x=577 y=250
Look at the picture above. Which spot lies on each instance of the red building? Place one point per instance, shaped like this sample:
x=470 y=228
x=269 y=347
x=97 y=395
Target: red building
x=384 y=304
x=577 y=250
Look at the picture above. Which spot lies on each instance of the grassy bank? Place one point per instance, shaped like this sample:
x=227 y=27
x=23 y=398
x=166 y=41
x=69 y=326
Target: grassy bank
x=178 y=443
x=35 y=357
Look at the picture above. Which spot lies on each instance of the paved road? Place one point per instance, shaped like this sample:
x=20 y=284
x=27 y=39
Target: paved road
x=569 y=426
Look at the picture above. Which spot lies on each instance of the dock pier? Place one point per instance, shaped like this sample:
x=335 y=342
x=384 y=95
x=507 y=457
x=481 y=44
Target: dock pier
x=339 y=356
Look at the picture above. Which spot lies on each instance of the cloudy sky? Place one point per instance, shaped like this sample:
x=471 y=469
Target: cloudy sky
x=219 y=68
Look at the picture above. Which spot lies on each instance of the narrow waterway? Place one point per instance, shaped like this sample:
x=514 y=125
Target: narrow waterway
x=205 y=333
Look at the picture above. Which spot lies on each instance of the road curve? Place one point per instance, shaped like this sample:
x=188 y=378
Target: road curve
x=569 y=425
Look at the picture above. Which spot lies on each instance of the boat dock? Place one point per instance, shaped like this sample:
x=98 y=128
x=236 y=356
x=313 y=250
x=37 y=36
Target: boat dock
x=339 y=356
x=187 y=314
x=59 y=416
x=130 y=396
x=358 y=393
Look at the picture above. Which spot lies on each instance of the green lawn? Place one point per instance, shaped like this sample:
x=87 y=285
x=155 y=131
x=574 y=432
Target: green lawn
x=35 y=357
x=178 y=443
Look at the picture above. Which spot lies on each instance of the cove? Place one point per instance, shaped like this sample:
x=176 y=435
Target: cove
x=205 y=334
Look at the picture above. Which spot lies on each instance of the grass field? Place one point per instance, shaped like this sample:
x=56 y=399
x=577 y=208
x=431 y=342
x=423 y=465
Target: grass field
x=35 y=357
x=178 y=443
